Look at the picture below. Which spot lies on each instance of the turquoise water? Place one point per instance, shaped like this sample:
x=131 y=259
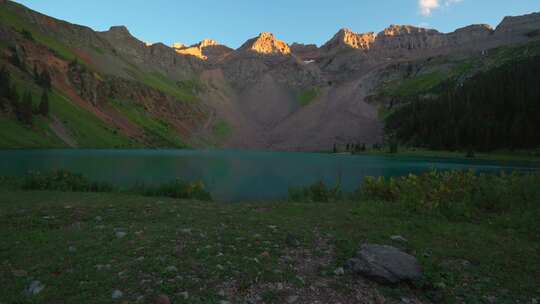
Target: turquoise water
x=231 y=175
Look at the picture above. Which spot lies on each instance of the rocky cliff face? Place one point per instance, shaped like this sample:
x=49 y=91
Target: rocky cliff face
x=305 y=51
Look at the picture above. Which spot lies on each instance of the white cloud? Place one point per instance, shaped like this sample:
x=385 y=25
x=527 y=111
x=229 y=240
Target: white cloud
x=428 y=6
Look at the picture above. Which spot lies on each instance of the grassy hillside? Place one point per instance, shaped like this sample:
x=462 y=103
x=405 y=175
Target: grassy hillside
x=10 y=17
x=161 y=133
x=437 y=72
x=83 y=126
x=307 y=96
x=15 y=135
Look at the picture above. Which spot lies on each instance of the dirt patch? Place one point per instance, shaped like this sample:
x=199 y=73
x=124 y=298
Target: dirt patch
x=62 y=132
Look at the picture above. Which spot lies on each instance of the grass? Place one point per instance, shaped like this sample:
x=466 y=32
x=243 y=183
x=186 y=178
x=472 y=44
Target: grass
x=158 y=81
x=504 y=54
x=14 y=135
x=229 y=251
x=415 y=85
x=10 y=17
x=306 y=97
x=222 y=130
x=86 y=129
x=160 y=132
x=426 y=82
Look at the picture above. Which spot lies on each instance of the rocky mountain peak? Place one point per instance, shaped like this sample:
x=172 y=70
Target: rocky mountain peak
x=519 y=24
x=401 y=30
x=346 y=38
x=205 y=49
x=266 y=44
x=178 y=45
x=207 y=42
x=119 y=30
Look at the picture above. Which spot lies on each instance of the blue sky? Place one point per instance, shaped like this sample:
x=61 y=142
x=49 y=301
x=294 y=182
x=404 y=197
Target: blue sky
x=232 y=22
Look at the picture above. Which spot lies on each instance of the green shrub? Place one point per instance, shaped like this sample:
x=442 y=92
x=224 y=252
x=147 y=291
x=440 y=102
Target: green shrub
x=456 y=194
x=318 y=192
x=176 y=189
x=62 y=181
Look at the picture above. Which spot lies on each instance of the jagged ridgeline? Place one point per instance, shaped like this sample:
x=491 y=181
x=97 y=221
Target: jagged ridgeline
x=66 y=85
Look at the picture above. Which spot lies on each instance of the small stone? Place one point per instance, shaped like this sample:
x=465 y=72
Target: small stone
x=440 y=285
x=292 y=240
x=265 y=254
x=292 y=299
x=19 y=273
x=99 y=219
x=100 y=266
x=534 y=301
x=224 y=302
x=117 y=294
x=120 y=234
x=398 y=238
x=184 y=295
x=72 y=249
x=491 y=299
x=171 y=269
x=34 y=288
x=186 y=230
x=406 y=300
x=162 y=299
x=339 y=271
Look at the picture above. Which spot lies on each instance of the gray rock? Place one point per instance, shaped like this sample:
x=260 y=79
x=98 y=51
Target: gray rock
x=385 y=264
x=398 y=238
x=117 y=294
x=72 y=249
x=34 y=288
x=171 y=269
x=339 y=271
x=120 y=234
x=184 y=295
x=292 y=299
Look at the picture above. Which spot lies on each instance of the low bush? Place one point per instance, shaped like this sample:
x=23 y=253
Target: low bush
x=318 y=192
x=176 y=189
x=457 y=194
x=61 y=180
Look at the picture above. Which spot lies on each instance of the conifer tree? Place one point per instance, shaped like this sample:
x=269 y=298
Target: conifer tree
x=44 y=104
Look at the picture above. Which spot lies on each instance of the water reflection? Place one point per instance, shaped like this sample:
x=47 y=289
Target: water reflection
x=229 y=175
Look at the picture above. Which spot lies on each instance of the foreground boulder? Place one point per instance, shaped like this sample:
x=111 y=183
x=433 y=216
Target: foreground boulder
x=385 y=264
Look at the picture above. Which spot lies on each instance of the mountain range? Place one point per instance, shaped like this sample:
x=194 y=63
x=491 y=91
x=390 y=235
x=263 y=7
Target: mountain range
x=109 y=89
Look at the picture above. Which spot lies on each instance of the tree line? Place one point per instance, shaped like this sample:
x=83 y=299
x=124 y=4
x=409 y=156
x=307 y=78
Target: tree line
x=23 y=107
x=496 y=109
